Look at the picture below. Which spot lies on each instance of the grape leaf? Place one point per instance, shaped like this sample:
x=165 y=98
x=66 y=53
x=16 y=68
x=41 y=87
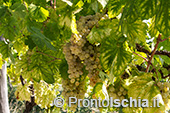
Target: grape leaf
x=114 y=55
x=115 y=7
x=46 y=73
x=106 y=27
x=147 y=8
x=22 y=92
x=29 y=42
x=130 y=11
x=166 y=59
x=135 y=32
x=63 y=69
x=3 y=10
x=9 y=28
x=19 y=10
x=4 y=49
x=143 y=86
x=165 y=44
x=52 y=31
x=36 y=75
x=162 y=20
x=38 y=13
x=39 y=39
x=97 y=87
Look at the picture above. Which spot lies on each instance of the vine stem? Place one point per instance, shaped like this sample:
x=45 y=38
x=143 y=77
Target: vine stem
x=48 y=55
x=147 y=61
x=156 y=46
x=141 y=57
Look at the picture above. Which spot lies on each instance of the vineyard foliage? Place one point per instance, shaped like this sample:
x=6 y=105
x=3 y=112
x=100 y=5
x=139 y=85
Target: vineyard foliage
x=81 y=47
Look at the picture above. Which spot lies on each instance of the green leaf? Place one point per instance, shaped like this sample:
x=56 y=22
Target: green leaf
x=97 y=87
x=95 y=6
x=135 y=32
x=165 y=44
x=3 y=10
x=143 y=86
x=4 y=50
x=162 y=19
x=30 y=42
x=63 y=69
x=147 y=8
x=103 y=2
x=130 y=11
x=9 y=27
x=139 y=60
x=18 y=10
x=166 y=59
x=39 y=39
x=106 y=27
x=36 y=75
x=38 y=13
x=47 y=74
x=52 y=31
x=115 y=55
x=115 y=7
x=103 y=75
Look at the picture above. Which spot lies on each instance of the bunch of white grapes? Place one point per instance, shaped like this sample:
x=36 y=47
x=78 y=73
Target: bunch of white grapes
x=117 y=92
x=70 y=90
x=165 y=91
x=80 y=53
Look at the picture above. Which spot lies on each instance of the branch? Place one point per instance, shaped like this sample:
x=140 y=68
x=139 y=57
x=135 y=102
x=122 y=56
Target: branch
x=48 y=55
x=141 y=57
x=30 y=104
x=22 y=80
x=163 y=52
x=141 y=49
x=165 y=39
x=156 y=46
x=54 y=5
x=52 y=60
x=148 y=62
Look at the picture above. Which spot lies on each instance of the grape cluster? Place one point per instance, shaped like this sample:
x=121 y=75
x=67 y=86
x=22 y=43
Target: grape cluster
x=89 y=54
x=86 y=23
x=70 y=90
x=117 y=93
x=79 y=53
x=165 y=91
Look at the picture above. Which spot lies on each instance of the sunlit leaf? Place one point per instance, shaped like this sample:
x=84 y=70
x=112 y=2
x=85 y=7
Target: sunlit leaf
x=135 y=32
x=106 y=27
x=103 y=2
x=38 y=13
x=143 y=86
x=114 y=55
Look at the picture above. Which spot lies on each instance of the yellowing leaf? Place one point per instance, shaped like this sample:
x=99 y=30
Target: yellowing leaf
x=80 y=4
x=22 y=92
x=73 y=25
x=38 y=13
x=143 y=86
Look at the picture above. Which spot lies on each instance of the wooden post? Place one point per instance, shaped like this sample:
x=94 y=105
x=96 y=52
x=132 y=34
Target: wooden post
x=4 y=105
